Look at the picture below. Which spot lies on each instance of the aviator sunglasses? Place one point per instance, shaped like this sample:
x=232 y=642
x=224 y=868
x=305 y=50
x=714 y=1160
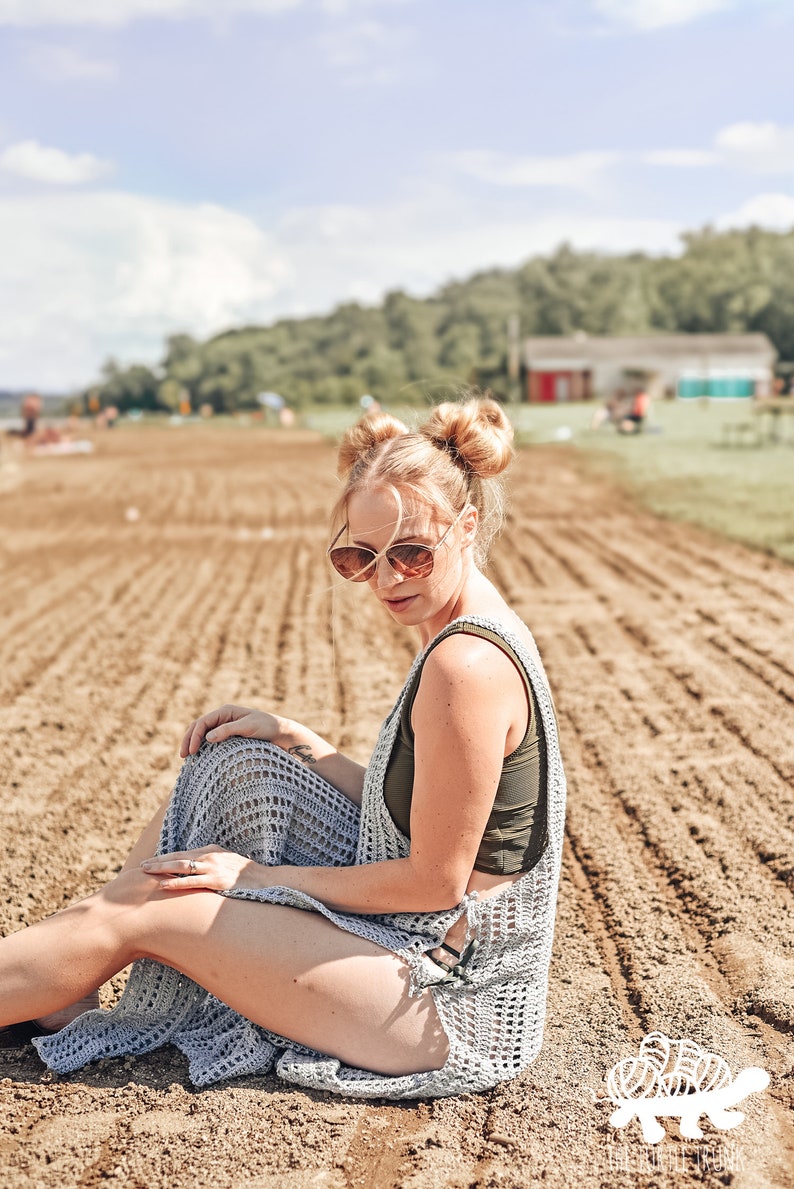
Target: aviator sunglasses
x=409 y=559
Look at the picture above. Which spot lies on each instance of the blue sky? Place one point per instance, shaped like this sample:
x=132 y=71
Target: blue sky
x=171 y=165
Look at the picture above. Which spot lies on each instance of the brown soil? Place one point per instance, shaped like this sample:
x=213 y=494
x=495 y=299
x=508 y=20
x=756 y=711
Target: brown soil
x=671 y=655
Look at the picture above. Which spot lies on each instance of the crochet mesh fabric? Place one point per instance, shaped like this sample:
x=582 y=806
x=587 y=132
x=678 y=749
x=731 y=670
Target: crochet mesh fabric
x=253 y=798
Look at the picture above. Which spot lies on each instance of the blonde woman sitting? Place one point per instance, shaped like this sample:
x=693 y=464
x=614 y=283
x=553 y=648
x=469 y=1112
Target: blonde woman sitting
x=378 y=931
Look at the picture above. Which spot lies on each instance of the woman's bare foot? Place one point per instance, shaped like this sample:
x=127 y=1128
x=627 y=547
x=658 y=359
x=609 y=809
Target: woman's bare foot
x=59 y=1019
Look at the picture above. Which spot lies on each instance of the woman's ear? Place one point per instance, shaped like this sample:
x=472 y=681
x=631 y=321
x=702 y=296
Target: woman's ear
x=468 y=525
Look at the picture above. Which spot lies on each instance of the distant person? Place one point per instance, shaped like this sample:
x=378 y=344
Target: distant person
x=30 y=415
x=106 y=418
x=377 y=932
x=612 y=411
x=30 y=412
x=633 y=421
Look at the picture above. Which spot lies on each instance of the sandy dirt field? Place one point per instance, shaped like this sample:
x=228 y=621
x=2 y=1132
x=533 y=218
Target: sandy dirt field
x=671 y=656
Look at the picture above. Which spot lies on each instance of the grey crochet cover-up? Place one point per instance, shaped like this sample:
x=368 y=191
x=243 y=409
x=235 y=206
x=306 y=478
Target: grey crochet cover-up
x=253 y=798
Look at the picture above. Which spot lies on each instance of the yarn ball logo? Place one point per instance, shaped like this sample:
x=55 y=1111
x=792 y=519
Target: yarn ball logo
x=677 y=1079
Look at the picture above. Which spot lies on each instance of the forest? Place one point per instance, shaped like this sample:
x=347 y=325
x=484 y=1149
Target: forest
x=411 y=350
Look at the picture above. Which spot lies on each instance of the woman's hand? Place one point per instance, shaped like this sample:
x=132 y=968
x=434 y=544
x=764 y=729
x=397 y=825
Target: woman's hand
x=292 y=737
x=228 y=720
x=208 y=868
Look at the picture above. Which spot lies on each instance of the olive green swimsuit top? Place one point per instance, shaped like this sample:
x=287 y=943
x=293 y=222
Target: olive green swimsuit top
x=515 y=836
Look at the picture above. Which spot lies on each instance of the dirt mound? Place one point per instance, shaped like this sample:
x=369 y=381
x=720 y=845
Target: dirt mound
x=176 y=569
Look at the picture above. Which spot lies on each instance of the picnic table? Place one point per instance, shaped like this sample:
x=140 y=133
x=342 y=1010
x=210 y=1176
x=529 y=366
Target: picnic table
x=766 y=423
x=770 y=412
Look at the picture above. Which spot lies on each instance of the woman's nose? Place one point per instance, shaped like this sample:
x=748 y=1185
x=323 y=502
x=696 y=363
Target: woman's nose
x=384 y=574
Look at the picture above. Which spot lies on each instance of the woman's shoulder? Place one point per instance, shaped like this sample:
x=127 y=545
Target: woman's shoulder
x=500 y=624
x=484 y=636
x=468 y=680
x=466 y=649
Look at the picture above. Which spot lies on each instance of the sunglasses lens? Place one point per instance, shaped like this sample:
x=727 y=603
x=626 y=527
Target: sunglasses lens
x=352 y=563
x=412 y=561
x=358 y=564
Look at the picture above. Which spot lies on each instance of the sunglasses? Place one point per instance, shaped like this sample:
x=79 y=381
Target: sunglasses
x=409 y=559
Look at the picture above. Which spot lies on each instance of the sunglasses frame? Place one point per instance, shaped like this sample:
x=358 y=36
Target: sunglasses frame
x=362 y=576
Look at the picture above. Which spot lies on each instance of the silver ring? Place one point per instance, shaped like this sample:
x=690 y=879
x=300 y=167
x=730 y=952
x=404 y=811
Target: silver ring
x=192 y=866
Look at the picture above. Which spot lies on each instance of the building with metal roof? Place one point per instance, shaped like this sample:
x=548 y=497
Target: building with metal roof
x=581 y=366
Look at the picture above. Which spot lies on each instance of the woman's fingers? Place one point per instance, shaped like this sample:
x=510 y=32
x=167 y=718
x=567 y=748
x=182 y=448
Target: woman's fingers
x=181 y=870
x=184 y=747
x=216 y=726
x=238 y=726
x=218 y=734
x=210 y=868
x=179 y=862
x=195 y=733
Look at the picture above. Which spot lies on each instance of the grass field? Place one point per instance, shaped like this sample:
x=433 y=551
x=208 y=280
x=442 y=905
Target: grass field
x=680 y=469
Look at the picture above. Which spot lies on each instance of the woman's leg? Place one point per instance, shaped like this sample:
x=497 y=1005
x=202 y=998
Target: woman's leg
x=249 y=796
x=144 y=848
x=290 y=971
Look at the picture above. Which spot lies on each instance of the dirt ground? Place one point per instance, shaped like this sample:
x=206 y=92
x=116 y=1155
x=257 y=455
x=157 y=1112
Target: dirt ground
x=181 y=567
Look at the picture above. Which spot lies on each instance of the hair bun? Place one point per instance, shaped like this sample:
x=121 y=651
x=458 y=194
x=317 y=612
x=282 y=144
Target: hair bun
x=359 y=439
x=476 y=433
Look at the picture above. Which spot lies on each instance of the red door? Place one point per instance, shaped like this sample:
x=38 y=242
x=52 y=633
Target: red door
x=548 y=386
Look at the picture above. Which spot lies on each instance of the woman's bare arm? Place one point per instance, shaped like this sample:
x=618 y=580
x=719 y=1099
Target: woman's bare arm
x=470 y=701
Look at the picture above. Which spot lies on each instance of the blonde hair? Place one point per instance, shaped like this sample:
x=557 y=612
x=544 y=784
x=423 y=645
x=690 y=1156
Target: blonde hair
x=454 y=459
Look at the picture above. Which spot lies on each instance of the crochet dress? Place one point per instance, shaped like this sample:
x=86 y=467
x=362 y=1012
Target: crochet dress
x=255 y=799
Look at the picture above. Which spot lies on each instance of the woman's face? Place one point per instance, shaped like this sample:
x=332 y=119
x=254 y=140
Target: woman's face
x=374 y=522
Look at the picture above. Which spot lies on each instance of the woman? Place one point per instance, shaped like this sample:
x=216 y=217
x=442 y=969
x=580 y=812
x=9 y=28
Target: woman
x=382 y=931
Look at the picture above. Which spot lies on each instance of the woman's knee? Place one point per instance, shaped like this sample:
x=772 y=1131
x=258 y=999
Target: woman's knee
x=236 y=747
x=150 y=922
x=125 y=911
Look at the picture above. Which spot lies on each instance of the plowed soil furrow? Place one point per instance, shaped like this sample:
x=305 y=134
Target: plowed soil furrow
x=36 y=589
x=603 y=563
x=271 y=601
x=671 y=657
x=764 y=582
x=68 y=621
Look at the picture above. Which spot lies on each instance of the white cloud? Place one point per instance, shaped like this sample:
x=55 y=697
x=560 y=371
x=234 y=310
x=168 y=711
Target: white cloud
x=773 y=211
x=84 y=276
x=754 y=147
x=34 y=13
x=64 y=63
x=89 y=275
x=763 y=147
x=353 y=46
x=656 y=14
x=38 y=163
x=343 y=7
x=577 y=171
x=366 y=53
x=681 y=158
x=359 y=253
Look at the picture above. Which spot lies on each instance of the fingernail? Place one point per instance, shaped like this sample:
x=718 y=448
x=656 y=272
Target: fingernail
x=210 y=735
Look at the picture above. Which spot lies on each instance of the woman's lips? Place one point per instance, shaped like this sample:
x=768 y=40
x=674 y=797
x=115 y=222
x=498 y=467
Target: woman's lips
x=399 y=604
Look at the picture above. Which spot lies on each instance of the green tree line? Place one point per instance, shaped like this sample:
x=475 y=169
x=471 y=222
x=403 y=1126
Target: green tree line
x=409 y=349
